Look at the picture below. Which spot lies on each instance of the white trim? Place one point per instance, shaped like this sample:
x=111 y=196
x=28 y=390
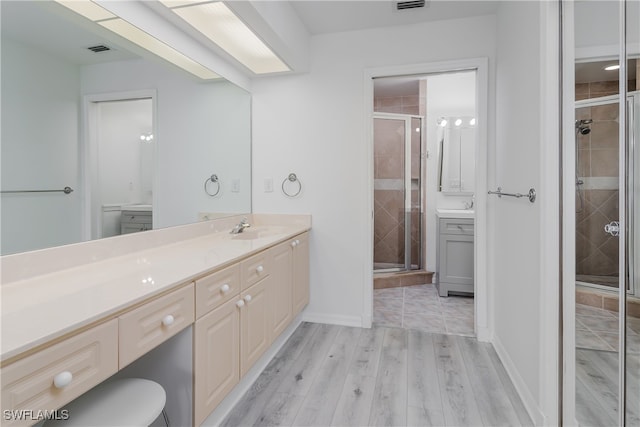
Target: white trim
x=483 y=316
x=549 y=164
x=568 y=267
x=88 y=149
x=335 y=319
x=530 y=403
x=233 y=397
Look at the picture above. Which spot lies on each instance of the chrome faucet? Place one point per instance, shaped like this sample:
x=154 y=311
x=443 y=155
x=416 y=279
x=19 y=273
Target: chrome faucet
x=470 y=205
x=239 y=228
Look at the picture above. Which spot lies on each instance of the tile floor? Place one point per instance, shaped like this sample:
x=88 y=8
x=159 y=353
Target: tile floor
x=597 y=329
x=419 y=307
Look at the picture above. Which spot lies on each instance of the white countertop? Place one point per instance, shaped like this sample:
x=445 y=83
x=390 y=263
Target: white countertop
x=38 y=309
x=455 y=213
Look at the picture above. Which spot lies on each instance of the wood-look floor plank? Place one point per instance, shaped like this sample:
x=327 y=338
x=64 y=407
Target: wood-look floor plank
x=598 y=383
x=424 y=400
x=320 y=402
x=458 y=401
x=389 y=406
x=494 y=404
x=305 y=368
x=280 y=410
x=509 y=388
x=589 y=412
x=354 y=404
x=250 y=407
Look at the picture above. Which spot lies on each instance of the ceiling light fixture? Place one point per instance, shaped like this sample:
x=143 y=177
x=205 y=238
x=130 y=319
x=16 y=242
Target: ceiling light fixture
x=612 y=67
x=108 y=20
x=220 y=25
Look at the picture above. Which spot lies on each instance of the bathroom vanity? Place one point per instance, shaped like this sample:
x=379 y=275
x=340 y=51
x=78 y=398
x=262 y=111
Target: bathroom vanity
x=68 y=328
x=454 y=255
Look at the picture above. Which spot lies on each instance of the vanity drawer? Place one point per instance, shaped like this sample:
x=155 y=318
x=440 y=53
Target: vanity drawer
x=456 y=226
x=148 y=326
x=89 y=357
x=254 y=269
x=216 y=289
x=136 y=217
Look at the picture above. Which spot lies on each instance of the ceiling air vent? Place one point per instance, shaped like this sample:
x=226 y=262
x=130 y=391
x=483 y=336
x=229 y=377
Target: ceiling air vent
x=410 y=4
x=99 y=48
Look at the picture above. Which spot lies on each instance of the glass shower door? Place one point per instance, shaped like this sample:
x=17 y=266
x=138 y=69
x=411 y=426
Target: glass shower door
x=396 y=217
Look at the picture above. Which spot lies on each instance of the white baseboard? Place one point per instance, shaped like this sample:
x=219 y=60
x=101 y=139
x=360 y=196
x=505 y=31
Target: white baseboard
x=332 y=319
x=229 y=402
x=528 y=400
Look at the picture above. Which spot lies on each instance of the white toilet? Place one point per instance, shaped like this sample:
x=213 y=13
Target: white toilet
x=124 y=402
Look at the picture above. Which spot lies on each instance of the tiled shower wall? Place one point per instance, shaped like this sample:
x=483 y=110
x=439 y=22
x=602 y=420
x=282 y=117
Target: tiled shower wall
x=389 y=222
x=597 y=198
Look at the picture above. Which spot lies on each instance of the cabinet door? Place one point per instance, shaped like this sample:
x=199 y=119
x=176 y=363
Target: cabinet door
x=300 y=273
x=280 y=288
x=456 y=259
x=216 y=358
x=255 y=324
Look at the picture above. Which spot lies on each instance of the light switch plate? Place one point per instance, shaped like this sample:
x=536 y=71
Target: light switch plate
x=235 y=185
x=268 y=185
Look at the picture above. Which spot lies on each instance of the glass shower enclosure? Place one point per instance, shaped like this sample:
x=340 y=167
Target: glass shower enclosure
x=397 y=192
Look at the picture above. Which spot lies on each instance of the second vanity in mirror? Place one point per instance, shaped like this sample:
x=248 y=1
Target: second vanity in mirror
x=90 y=137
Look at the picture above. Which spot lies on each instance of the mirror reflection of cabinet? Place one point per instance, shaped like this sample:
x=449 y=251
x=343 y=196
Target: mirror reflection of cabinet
x=456 y=140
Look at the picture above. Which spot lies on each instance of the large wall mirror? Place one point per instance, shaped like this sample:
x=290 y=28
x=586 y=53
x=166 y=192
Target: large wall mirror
x=606 y=155
x=126 y=131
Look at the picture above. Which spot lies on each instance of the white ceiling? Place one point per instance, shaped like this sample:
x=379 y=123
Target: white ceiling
x=50 y=28
x=329 y=16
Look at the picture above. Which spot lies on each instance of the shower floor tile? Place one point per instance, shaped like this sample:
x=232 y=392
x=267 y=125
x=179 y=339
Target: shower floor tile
x=419 y=307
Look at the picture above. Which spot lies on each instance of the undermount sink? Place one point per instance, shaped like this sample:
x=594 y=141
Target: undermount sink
x=258 y=232
x=455 y=213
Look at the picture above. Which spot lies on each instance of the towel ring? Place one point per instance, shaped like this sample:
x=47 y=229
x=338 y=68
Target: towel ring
x=215 y=180
x=292 y=178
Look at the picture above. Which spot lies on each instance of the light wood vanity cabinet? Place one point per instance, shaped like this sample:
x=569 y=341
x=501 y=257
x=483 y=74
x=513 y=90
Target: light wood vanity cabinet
x=229 y=339
x=55 y=376
x=300 y=273
x=216 y=357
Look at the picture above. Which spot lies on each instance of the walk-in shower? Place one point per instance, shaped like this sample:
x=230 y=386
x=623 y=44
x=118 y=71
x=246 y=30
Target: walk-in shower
x=597 y=195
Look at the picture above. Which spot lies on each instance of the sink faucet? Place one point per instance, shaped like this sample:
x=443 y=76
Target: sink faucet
x=239 y=228
x=470 y=205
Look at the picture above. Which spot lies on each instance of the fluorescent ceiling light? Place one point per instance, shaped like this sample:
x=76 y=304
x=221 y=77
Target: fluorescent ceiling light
x=101 y=16
x=612 y=67
x=220 y=25
x=88 y=9
x=155 y=46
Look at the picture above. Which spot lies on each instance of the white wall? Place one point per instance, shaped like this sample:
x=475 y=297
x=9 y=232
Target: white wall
x=313 y=125
x=201 y=129
x=515 y=229
x=40 y=114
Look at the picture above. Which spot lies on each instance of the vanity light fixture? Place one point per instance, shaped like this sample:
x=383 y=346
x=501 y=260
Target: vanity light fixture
x=612 y=67
x=472 y=122
x=220 y=25
x=442 y=122
x=146 y=137
x=458 y=122
x=108 y=20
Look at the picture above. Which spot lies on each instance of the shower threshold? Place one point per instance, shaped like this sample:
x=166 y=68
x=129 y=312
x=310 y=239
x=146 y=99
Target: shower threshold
x=382 y=280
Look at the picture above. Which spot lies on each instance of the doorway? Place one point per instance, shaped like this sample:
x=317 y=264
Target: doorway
x=406 y=160
x=119 y=165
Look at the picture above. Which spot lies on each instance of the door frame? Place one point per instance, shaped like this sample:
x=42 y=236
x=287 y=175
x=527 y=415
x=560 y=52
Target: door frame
x=89 y=153
x=483 y=318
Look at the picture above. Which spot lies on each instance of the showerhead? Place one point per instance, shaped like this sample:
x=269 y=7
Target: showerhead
x=582 y=126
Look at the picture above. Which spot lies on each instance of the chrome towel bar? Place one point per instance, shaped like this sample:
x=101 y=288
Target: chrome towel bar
x=65 y=190
x=531 y=194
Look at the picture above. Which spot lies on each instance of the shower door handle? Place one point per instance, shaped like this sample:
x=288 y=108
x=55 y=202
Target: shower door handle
x=612 y=228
